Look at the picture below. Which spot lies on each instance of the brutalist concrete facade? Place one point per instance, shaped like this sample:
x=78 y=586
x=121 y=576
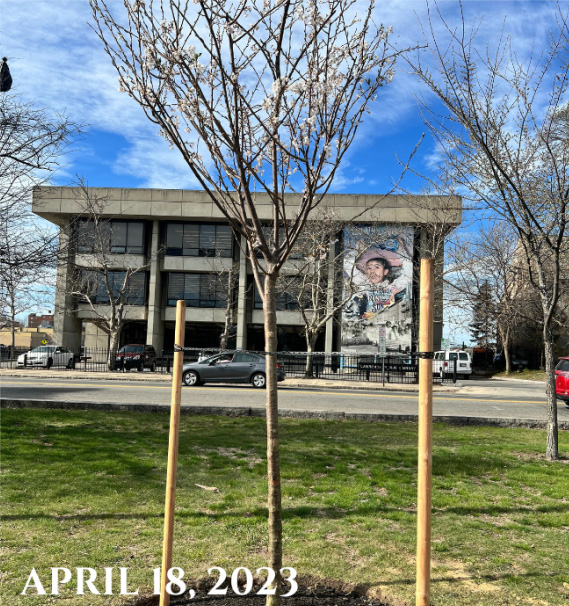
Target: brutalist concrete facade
x=157 y=207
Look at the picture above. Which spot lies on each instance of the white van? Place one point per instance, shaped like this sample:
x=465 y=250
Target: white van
x=443 y=364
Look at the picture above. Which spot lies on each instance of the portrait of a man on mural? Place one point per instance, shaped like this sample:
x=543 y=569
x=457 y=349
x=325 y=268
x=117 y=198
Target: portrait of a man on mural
x=378 y=268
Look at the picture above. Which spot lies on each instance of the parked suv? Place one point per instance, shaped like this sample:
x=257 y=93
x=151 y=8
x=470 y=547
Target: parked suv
x=136 y=356
x=562 y=380
x=444 y=362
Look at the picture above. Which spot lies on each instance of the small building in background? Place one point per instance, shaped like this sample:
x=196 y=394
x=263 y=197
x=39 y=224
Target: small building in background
x=40 y=321
x=27 y=338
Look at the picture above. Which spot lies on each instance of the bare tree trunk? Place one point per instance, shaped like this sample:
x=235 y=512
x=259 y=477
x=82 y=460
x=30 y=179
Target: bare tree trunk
x=552 y=447
x=12 y=329
x=273 y=463
x=505 y=335
x=310 y=344
x=114 y=337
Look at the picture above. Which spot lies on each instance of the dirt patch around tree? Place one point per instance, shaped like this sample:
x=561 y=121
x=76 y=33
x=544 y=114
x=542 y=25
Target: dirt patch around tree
x=310 y=593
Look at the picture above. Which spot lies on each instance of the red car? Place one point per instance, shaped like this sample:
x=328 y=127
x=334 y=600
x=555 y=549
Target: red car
x=562 y=380
x=136 y=356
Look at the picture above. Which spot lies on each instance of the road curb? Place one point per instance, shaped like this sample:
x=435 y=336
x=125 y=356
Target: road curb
x=518 y=380
x=292 y=382
x=245 y=411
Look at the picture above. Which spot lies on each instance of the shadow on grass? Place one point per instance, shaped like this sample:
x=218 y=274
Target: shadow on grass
x=302 y=512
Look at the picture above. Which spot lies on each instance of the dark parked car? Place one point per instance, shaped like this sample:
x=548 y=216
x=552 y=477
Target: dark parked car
x=562 y=380
x=516 y=361
x=238 y=367
x=136 y=356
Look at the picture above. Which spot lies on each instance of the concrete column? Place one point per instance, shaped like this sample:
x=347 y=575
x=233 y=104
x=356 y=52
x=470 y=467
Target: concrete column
x=67 y=326
x=329 y=340
x=155 y=326
x=426 y=244
x=241 y=341
x=439 y=306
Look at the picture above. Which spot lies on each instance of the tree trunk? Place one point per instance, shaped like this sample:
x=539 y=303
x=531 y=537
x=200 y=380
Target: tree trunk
x=505 y=337
x=308 y=371
x=114 y=337
x=12 y=332
x=552 y=447
x=273 y=464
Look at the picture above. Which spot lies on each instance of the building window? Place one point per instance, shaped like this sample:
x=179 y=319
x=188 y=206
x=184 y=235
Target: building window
x=285 y=301
x=199 y=240
x=198 y=290
x=299 y=249
x=94 y=286
x=119 y=237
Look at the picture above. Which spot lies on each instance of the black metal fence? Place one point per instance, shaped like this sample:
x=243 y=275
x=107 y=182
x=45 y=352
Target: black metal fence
x=389 y=369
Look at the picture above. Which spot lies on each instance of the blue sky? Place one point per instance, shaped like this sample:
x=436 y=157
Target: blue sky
x=57 y=62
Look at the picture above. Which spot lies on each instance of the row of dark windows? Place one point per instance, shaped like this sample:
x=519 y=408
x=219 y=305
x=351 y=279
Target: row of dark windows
x=93 y=284
x=120 y=237
x=180 y=239
x=198 y=290
x=199 y=240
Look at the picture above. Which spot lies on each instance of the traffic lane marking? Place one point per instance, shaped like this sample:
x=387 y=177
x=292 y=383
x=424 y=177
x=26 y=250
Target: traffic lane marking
x=328 y=393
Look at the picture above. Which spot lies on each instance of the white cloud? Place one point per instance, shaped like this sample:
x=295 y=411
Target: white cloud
x=58 y=62
x=152 y=160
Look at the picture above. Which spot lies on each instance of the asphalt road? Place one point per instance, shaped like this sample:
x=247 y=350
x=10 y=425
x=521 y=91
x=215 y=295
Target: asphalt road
x=494 y=399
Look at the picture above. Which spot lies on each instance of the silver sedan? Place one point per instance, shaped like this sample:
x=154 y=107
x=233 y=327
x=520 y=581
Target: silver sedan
x=238 y=367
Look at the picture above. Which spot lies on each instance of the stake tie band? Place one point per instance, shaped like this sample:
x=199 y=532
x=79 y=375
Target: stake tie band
x=425 y=355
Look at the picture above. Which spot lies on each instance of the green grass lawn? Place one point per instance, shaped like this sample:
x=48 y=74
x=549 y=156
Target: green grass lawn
x=87 y=489
x=526 y=374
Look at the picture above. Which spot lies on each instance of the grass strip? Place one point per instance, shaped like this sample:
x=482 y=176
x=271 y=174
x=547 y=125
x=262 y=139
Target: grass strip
x=86 y=489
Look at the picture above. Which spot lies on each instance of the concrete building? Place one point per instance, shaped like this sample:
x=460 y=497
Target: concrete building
x=177 y=235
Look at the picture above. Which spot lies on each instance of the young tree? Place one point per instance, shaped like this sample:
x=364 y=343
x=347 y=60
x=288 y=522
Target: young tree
x=311 y=279
x=107 y=282
x=484 y=276
x=258 y=97
x=224 y=281
x=500 y=143
x=22 y=289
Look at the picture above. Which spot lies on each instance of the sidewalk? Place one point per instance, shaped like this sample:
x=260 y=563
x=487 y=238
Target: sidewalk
x=167 y=378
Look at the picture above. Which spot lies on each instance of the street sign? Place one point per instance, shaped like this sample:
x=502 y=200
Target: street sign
x=382 y=340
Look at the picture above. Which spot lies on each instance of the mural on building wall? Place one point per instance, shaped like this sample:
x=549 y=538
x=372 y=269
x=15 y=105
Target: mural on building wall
x=378 y=269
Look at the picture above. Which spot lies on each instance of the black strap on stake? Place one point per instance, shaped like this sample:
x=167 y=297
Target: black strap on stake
x=425 y=355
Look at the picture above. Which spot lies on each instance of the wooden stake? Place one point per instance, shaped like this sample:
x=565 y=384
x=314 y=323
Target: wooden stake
x=425 y=454
x=173 y=451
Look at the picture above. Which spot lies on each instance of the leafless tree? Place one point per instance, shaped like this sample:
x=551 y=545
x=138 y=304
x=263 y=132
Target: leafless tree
x=23 y=288
x=257 y=97
x=311 y=281
x=225 y=280
x=500 y=144
x=31 y=145
x=485 y=260
x=107 y=283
